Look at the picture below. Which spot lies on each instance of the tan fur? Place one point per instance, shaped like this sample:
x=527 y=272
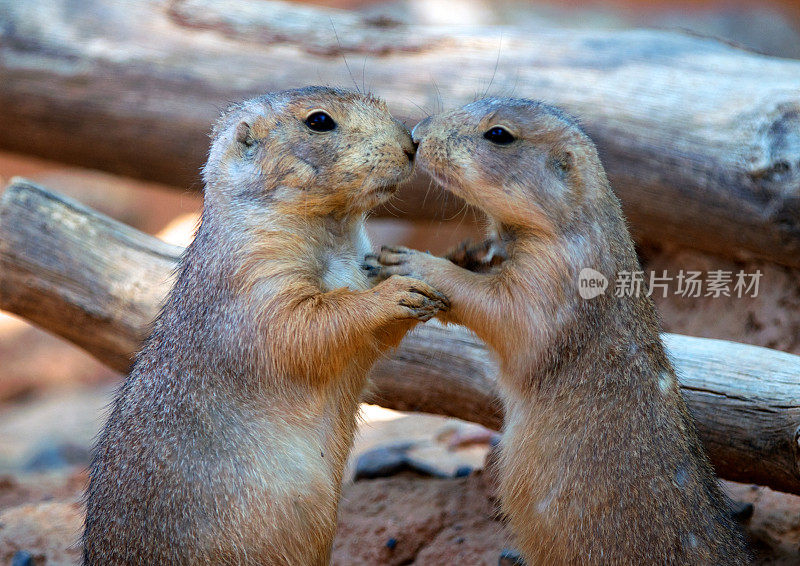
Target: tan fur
x=227 y=442
x=600 y=460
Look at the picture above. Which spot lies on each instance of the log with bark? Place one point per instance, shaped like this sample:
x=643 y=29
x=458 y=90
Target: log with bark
x=700 y=139
x=98 y=283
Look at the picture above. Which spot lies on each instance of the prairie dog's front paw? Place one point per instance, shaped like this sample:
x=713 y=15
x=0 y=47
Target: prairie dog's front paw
x=414 y=299
x=397 y=260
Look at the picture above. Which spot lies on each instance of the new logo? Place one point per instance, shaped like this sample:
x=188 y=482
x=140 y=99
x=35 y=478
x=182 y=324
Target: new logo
x=591 y=283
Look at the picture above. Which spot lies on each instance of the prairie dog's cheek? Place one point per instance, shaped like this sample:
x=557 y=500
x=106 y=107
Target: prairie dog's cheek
x=458 y=160
x=320 y=152
x=242 y=172
x=484 y=168
x=353 y=159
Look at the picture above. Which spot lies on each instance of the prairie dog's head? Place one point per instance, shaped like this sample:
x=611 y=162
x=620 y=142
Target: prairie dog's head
x=314 y=150
x=524 y=163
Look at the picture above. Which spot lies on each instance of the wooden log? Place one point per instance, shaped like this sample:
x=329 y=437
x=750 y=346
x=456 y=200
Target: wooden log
x=98 y=283
x=102 y=302
x=700 y=139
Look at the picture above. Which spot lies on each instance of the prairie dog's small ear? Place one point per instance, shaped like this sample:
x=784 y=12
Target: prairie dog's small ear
x=243 y=134
x=563 y=162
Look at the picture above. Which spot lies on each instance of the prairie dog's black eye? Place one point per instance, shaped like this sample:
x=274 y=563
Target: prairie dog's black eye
x=320 y=121
x=499 y=135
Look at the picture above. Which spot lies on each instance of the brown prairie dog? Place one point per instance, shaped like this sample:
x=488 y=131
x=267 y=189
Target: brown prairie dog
x=600 y=461
x=227 y=442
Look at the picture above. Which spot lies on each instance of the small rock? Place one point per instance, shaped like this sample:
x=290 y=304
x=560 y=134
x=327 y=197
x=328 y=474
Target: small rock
x=382 y=462
x=22 y=558
x=509 y=557
x=390 y=460
x=54 y=456
x=462 y=471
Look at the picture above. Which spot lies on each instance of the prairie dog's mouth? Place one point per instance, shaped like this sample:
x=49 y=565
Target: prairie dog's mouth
x=445 y=181
x=387 y=177
x=385 y=187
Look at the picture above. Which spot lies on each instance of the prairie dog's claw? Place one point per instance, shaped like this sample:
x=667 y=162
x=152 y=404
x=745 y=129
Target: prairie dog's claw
x=433 y=295
x=373 y=268
x=418 y=299
x=396 y=249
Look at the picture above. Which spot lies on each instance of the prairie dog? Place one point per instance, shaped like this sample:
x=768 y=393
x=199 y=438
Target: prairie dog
x=227 y=442
x=600 y=461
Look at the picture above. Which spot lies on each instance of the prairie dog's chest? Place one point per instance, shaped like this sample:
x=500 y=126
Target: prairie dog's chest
x=342 y=264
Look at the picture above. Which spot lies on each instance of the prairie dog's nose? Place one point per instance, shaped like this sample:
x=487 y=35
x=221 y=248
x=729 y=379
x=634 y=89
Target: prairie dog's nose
x=408 y=145
x=420 y=130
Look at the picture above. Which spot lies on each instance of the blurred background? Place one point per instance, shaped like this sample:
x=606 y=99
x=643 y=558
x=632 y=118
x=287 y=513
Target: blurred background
x=53 y=395
x=769 y=27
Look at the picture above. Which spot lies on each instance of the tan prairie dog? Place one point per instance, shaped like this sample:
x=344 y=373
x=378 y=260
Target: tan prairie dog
x=227 y=442
x=600 y=461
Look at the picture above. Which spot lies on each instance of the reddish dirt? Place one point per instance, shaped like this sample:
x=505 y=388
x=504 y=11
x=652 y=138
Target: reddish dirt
x=394 y=521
